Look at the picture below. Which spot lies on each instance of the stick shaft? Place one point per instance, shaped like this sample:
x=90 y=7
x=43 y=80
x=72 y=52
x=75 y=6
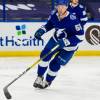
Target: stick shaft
x=24 y=72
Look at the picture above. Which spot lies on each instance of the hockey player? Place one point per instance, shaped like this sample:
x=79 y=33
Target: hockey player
x=77 y=9
x=68 y=34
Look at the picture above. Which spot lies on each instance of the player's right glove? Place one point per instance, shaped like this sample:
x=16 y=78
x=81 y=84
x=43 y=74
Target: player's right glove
x=60 y=34
x=39 y=33
x=61 y=38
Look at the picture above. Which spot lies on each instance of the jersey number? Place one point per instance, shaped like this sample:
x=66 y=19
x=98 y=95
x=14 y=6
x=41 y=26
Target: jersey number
x=78 y=27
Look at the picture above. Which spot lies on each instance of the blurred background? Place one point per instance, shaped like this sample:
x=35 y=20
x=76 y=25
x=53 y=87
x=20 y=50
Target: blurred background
x=39 y=10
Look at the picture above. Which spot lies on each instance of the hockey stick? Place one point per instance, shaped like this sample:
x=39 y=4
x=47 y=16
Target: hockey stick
x=5 y=89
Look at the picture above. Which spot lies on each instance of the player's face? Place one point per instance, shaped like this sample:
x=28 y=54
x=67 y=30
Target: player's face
x=75 y=1
x=61 y=9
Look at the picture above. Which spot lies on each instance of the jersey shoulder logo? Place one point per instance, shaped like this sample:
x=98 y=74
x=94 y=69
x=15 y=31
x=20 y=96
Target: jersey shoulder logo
x=72 y=17
x=54 y=11
x=81 y=6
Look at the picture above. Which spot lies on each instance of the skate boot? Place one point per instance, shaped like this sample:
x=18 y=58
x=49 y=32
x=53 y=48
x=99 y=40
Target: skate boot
x=38 y=81
x=44 y=84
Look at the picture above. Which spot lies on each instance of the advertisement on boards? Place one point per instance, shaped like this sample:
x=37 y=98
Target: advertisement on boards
x=20 y=36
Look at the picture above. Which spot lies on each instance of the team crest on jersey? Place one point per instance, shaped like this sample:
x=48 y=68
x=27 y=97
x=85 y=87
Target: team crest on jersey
x=53 y=12
x=81 y=6
x=72 y=17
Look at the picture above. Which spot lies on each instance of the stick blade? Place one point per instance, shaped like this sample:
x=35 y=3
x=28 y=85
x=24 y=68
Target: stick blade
x=6 y=93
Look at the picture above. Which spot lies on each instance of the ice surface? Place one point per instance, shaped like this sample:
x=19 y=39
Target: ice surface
x=78 y=80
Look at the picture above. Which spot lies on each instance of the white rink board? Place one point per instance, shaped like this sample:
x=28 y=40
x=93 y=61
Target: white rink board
x=8 y=32
x=9 y=29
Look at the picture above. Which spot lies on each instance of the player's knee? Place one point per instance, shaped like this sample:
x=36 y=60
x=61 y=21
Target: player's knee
x=54 y=65
x=65 y=58
x=62 y=61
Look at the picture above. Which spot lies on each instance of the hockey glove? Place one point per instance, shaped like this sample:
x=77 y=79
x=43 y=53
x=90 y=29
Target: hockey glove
x=39 y=33
x=60 y=35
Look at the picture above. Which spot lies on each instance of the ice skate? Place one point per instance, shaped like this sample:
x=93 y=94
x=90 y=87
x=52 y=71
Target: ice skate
x=38 y=81
x=44 y=84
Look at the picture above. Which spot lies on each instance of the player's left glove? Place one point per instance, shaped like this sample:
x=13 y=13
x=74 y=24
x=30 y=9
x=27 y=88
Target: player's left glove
x=39 y=33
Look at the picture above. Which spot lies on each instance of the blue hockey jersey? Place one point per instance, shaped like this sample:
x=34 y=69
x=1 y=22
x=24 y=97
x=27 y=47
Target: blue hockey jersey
x=80 y=13
x=70 y=25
